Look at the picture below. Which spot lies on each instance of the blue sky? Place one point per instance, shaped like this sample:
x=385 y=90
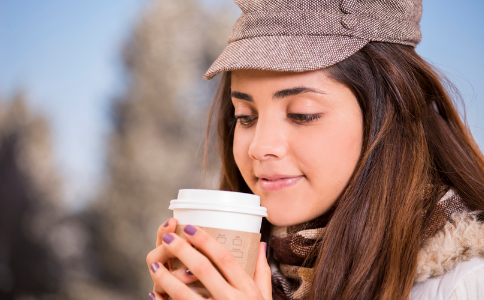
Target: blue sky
x=66 y=55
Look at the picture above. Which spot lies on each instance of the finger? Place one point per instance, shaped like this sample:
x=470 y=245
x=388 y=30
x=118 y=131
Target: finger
x=159 y=254
x=170 y=284
x=183 y=274
x=155 y=296
x=231 y=269
x=198 y=264
x=168 y=226
x=168 y=267
x=262 y=274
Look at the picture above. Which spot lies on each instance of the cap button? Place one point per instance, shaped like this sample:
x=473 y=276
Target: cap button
x=349 y=21
x=347 y=6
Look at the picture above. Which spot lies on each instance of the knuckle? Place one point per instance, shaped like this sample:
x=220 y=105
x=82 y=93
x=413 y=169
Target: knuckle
x=178 y=245
x=264 y=273
x=267 y=270
x=203 y=268
x=159 y=278
x=157 y=288
x=252 y=293
x=180 y=294
x=250 y=289
x=226 y=257
x=202 y=236
x=150 y=257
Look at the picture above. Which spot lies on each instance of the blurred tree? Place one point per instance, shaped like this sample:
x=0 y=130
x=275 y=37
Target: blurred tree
x=157 y=145
x=30 y=206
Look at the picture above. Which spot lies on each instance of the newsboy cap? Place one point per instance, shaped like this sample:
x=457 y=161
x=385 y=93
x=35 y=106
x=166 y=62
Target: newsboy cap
x=303 y=35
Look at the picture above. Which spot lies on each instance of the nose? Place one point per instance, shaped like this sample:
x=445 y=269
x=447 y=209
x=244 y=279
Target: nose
x=269 y=140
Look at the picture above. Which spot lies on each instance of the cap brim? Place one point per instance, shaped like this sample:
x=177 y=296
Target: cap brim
x=285 y=53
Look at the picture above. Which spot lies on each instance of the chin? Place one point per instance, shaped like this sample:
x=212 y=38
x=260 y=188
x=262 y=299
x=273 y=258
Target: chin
x=278 y=213
x=281 y=219
x=284 y=209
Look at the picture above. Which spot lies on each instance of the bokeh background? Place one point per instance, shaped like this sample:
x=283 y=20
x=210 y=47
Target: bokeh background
x=102 y=118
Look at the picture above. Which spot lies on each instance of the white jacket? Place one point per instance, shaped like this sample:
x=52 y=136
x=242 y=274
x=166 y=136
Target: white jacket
x=451 y=263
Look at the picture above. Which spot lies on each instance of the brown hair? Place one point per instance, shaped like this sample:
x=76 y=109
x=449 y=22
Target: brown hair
x=414 y=142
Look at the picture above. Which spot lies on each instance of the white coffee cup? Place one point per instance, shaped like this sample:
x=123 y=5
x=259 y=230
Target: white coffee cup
x=233 y=219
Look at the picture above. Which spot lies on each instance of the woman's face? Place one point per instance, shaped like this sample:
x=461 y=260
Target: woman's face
x=297 y=140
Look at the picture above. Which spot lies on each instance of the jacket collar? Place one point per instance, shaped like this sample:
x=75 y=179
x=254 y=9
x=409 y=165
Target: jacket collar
x=460 y=239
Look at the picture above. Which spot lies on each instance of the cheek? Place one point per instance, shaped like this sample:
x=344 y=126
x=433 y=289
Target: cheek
x=331 y=155
x=345 y=146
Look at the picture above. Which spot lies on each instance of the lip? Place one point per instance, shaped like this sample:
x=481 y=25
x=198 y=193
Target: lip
x=277 y=182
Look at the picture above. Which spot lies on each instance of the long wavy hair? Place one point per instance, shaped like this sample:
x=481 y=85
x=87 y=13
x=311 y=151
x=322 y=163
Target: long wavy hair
x=413 y=142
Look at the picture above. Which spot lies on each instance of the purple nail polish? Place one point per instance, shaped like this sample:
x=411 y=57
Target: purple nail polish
x=190 y=229
x=265 y=247
x=155 y=266
x=166 y=223
x=168 y=238
x=189 y=272
x=152 y=296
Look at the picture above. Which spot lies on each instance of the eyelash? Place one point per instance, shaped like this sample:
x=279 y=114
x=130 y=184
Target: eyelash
x=298 y=119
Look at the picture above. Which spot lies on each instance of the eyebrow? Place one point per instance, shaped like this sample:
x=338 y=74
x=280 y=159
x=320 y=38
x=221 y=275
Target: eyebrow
x=279 y=94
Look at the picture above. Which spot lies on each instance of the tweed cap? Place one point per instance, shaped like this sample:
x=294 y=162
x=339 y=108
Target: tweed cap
x=303 y=35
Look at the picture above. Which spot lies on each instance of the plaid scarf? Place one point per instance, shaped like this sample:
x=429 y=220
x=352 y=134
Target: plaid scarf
x=293 y=260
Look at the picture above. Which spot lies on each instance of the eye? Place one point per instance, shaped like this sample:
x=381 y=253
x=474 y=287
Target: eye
x=304 y=118
x=244 y=120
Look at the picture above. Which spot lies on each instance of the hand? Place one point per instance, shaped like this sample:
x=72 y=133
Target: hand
x=237 y=284
x=162 y=256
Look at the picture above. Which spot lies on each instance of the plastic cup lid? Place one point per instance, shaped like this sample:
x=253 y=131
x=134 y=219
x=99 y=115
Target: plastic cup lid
x=218 y=200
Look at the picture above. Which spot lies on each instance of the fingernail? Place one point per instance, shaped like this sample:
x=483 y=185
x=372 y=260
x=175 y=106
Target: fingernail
x=189 y=272
x=190 y=229
x=166 y=223
x=265 y=247
x=152 y=296
x=168 y=238
x=155 y=266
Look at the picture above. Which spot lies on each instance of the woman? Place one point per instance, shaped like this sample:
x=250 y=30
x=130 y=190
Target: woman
x=373 y=185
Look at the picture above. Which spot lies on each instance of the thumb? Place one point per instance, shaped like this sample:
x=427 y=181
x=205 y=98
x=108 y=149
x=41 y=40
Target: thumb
x=262 y=274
